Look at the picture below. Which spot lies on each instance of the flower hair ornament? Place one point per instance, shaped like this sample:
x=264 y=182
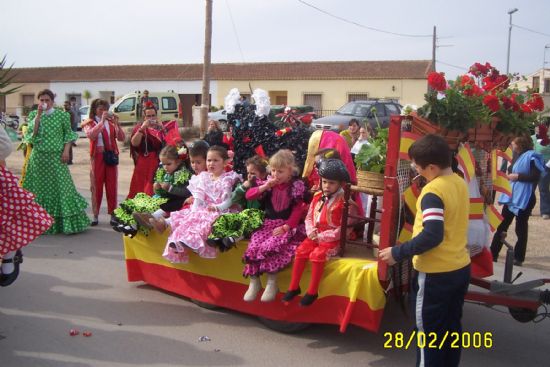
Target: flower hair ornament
x=149 y=105
x=183 y=153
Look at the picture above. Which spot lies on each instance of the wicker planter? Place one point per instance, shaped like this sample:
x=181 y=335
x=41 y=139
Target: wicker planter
x=481 y=132
x=370 y=180
x=422 y=127
x=501 y=141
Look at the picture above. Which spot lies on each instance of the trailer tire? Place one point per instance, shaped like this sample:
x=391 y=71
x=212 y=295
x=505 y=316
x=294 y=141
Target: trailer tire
x=205 y=305
x=523 y=315
x=284 y=327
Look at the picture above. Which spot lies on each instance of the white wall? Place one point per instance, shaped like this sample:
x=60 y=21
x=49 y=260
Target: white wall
x=61 y=89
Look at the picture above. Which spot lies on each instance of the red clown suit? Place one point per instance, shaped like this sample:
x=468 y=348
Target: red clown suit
x=323 y=227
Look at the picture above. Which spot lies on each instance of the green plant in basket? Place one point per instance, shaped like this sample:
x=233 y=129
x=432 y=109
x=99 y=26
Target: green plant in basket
x=372 y=156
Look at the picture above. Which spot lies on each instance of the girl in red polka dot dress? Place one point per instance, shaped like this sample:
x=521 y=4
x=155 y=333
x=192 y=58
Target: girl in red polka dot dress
x=21 y=219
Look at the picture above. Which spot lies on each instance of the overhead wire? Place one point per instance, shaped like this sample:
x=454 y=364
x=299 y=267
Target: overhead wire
x=235 y=30
x=451 y=65
x=362 y=25
x=531 y=30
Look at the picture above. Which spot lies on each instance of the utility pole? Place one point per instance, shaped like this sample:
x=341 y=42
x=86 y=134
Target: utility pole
x=434 y=45
x=510 y=12
x=205 y=100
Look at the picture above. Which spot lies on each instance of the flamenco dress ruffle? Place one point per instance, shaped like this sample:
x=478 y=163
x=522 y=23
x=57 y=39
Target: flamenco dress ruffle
x=51 y=182
x=22 y=220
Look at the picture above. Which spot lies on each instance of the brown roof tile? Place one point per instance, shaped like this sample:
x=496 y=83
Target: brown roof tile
x=318 y=70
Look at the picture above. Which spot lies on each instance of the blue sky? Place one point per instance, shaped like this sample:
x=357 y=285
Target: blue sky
x=60 y=33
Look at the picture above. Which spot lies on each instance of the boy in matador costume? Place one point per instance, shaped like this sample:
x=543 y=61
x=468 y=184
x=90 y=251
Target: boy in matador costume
x=323 y=228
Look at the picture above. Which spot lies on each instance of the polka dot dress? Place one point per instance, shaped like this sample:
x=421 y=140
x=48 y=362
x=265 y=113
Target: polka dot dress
x=49 y=179
x=21 y=219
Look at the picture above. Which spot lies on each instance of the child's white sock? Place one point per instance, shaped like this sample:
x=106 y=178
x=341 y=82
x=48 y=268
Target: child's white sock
x=8 y=268
x=159 y=214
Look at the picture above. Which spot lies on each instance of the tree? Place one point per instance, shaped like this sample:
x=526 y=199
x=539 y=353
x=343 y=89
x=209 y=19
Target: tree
x=87 y=95
x=6 y=79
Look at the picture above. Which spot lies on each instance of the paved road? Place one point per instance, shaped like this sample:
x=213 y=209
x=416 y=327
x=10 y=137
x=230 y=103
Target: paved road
x=80 y=282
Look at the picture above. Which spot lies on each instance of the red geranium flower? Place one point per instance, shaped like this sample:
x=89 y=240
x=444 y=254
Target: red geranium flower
x=491 y=101
x=466 y=80
x=506 y=102
x=536 y=102
x=525 y=108
x=478 y=69
x=437 y=81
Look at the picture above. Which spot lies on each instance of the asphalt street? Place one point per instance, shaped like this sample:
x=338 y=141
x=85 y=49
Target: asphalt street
x=79 y=282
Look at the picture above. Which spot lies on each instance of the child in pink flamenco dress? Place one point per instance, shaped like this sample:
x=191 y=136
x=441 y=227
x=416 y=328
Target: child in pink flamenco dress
x=212 y=197
x=272 y=247
x=21 y=219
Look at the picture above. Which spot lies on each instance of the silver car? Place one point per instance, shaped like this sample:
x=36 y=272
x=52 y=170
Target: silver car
x=362 y=111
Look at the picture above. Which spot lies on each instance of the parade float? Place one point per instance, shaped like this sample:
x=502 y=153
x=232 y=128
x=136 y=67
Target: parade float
x=356 y=286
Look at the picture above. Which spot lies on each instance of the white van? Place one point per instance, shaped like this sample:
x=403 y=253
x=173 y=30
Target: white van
x=128 y=108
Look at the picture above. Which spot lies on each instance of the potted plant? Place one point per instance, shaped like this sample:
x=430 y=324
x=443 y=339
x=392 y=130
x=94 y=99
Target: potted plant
x=371 y=159
x=479 y=107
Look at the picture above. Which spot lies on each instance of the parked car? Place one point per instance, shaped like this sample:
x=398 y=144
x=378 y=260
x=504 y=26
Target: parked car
x=362 y=111
x=129 y=111
x=83 y=112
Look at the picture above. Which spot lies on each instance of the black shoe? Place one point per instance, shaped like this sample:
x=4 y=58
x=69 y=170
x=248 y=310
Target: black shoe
x=94 y=222
x=229 y=242
x=127 y=230
x=518 y=263
x=289 y=295
x=215 y=242
x=308 y=299
x=113 y=222
x=131 y=233
x=7 y=279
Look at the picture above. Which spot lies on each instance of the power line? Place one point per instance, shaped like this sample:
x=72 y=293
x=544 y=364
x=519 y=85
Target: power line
x=364 y=26
x=531 y=30
x=235 y=30
x=453 y=66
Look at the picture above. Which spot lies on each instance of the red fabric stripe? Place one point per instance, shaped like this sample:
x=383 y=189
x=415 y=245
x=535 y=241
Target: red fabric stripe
x=432 y=215
x=227 y=294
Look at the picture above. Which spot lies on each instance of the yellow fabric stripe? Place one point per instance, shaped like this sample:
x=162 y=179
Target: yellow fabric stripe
x=410 y=198
x=405 y=234
x=476 y=208
x=465 y=159
x=312 y=148
x=407 y=139
x=493 y=217
x=352 y=278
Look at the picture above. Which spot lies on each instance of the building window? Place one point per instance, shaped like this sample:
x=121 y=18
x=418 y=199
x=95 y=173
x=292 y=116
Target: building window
x=28 y=100
x=169 y=103
x=357 y=97
x=314 y=100
x=536 y=83
x=281 y=100
x=546 y=85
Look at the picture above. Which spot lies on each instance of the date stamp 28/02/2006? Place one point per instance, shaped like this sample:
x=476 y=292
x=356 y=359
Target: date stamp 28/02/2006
x=432 y=340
